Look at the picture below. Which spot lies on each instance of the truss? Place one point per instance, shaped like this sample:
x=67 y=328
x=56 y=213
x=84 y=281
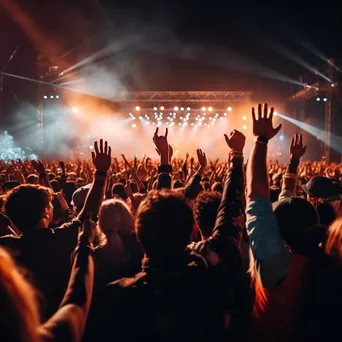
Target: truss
x=307 y=92
x=186 y=96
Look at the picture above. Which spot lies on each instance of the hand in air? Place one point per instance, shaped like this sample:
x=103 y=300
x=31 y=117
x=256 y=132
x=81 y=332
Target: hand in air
x=262 y=125
x=297 y=149
x=202 y=159
x=101 y=157
x=38 y=166
x=161 y=143
x=236 y=140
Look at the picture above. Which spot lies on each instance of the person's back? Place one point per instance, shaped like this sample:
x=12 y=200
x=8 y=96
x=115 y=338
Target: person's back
x=184 y=303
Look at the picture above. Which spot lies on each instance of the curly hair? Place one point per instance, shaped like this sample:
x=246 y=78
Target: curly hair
x=25 y=205
x=205 y=209
x=164 y=224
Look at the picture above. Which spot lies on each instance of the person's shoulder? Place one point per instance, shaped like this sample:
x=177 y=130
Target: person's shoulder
x=73 y=224
x=126 y=283
x=10 y=241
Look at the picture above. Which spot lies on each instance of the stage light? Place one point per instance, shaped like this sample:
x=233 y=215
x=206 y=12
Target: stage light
x=244 y=127
x=325 y=99
x=281 y=137
x=45 y=97
x=180 y=124
x=147 y=122
x=318 y=99
x=225 y=114
x=221 y=118
x=175 y=109
x=140 y=117
x=214 y=119
x=200 y=123
x=192 y=123
x=167 y=124
x=134 y=125
x=91 y=147
x=162 y=108
x=195 y=126
x=51 y=97
x=182 y=108
x=275 y=113
x=188 y=108
x=184 y=120
x=57 y=96
x=155 y=108
x=229 y=109
x=137 y=108
x=210 y=109
x=204 y=109
x=74 y=109
x=333 y=84
x=244 y=118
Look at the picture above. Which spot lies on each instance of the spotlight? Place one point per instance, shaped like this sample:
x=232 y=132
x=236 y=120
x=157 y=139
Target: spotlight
x=45 y=97
x=188 y=108
x=244 y=118
x=275 y=113
x=91 y=147
x=221 y=118
x=74 y=109
x=137 y=108
x=204 y=109
x=244 y=127
x=225 y=114
x=140 y=117
x=162 y=108
x=182 y=108
x=134 y=125
x=325 y=99
x=318 y=99
x=175 y=109
x=155 y=108
x=210 y=109
x=333 y=84
x=281 y=137
x=229 y=109
x=51 y=97
x=57 y=96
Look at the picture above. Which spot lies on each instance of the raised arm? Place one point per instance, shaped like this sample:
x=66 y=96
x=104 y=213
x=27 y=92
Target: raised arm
x=224 y=244
x=272 y=259
x=193 y=188
x=297 y=150
x=165 y=169
x=68 y=323
x=101 y=160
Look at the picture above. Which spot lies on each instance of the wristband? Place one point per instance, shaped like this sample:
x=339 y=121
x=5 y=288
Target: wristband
x=261 y=140
x=101 y=173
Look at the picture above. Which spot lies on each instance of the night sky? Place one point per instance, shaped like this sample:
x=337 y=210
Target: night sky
x=208 y=29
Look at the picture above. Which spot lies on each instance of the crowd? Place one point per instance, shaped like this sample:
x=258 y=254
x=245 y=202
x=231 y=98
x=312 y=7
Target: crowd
x=175 y=249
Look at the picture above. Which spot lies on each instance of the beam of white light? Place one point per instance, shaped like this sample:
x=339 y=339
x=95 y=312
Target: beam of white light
x=220 y=57
x=113 y=48
x=335 y=141
x=280 y=48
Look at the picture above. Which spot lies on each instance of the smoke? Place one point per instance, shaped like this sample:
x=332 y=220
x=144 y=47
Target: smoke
x=9 y=150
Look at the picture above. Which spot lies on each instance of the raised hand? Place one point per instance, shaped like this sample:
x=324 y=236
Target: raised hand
x=236 y=140
x=170 y=153
x=161 y=141
x=62 y=165
x=162 y=146
x=262 y=125
x=61 y=200
x=202 y=159
x=101 y=157
x=297 y=149
x=38 y=166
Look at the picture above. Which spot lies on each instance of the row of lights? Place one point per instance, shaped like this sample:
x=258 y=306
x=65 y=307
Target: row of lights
x=51 y=97
x=319 y=99
x=176 y=108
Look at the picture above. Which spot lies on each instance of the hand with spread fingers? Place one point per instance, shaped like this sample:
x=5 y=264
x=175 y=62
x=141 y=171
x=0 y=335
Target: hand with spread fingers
x=101 y=157
x=202 y=160
x=38 y=166
x=262 y=124
x=297 y=149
